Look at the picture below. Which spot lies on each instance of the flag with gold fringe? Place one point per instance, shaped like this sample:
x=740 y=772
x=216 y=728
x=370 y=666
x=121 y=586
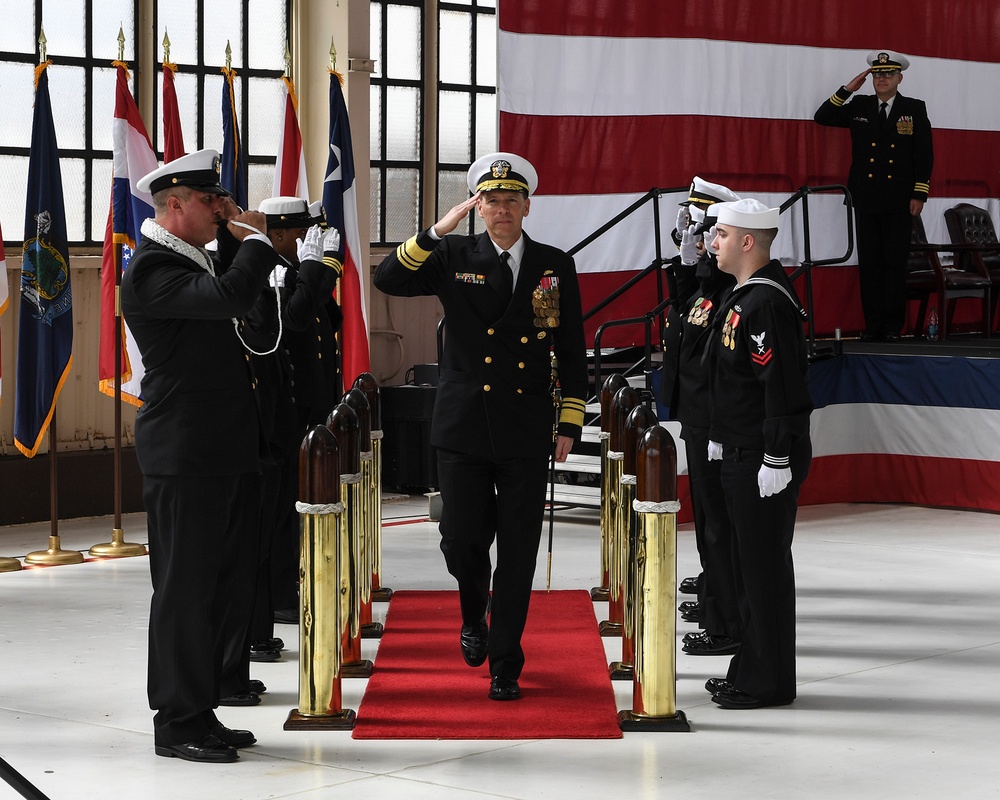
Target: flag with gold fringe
x=234 y=159
x=173 y=134
x=290 y=168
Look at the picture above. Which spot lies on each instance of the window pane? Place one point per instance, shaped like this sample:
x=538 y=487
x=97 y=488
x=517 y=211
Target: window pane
x=17 y=34
x=375 y=124
x=375 y=23
x=14 y=174
x=225 y=21
x=74 y=196
x=179 y=20
x=455 y=47
x=108 y=17
x=63 y=23
x=402 y=197
x=403 y=124
x=260 y=181
x=267 y=99
x=212 y=113
x=403 y=42
x=486 y=50
x=486 y=124
x=186 y=87
x=452 y=190
x=454 y=124
x=487 y=4
x=267 y=45
x=103 y=105
x=66 y=90
x=100 y=197
x=17 y=96
x=374 y=206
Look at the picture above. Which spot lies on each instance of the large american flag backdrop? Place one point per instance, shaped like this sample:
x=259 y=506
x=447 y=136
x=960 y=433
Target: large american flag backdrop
x=609 y=99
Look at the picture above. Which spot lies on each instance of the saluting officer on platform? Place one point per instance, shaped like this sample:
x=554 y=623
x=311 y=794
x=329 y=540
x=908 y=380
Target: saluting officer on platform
x=197 y=441
x=891 y=162
x=760 y=408
x=509 y=303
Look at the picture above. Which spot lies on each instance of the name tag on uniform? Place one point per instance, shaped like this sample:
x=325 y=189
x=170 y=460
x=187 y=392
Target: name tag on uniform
x=470 y=277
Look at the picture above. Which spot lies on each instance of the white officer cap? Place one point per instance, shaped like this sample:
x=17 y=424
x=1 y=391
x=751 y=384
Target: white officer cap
x=198 y=170
x=706 y=193
x=502 y=171
x=887 y=61
x=747 y=213
x=286 y=212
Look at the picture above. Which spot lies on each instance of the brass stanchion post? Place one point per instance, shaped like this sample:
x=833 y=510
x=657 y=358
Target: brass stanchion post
x=608 y=391
x=366 y=382
x=320 y=613
x=654 y=698
x=9 y=564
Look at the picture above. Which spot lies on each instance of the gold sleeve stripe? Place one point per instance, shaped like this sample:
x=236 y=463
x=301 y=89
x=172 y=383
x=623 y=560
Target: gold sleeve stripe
x=571 y=411
x=411 y=255
x=921 y=187
x=334 y=264
x=837 y=100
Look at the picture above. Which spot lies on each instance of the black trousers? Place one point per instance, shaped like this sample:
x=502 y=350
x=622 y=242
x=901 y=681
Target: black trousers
x=485 y=500
x=764 y=666
x=720 y=612
x=202 y=562
x=883 y=253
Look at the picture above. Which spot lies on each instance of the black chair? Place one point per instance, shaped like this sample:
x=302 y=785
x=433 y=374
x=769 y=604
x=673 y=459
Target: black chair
x=976 y=247
x=927 y=276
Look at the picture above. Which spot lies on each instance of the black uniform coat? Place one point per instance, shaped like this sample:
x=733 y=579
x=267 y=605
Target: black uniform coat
x=494 y=391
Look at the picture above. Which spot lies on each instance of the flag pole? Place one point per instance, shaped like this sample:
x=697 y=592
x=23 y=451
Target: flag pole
x=118 y=547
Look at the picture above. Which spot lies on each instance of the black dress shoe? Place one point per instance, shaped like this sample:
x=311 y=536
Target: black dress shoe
x=688 y=605
x=240 y=699
x=475 y=641
x=234 y=738
x=716 y=685
x=712 y=646
x=504 y=689
x=892 y=337
x=691 y=616
x=287 y=616
x=259 y=651
x=257 y=687
x=694 y=636
x=688 y=586
x=275 y=643
x=208 y=749
x=734 y=698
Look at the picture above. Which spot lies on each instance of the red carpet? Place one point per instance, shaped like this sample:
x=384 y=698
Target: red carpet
x=422 y=689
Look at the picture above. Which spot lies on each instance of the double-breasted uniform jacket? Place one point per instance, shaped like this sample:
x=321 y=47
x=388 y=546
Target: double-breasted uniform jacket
x=199 y=413
x=891 y=162
x=493 y=396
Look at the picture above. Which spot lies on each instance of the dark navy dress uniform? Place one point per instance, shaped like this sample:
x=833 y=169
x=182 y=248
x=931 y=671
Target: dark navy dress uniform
x=760 y=415
x=493 y=415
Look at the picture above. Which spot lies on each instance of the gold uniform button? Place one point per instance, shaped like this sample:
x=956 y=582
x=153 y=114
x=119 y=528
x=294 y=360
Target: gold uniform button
x=486 y=388
x=892 y=147
x=319 y=355
x=520 y=391
x=488 y=359
x=524 y=340
x=246 y=357
x=873 y=144
x=520 y=365
x=870 y=175
x=489 y=331
x=891 y=161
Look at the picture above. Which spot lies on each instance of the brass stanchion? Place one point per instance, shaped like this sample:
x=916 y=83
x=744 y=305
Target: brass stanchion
x=118 y=547
x=654 y=684
x=608 y=391
x=346 y=428
x=321 y=598
x=55 y=555
x=624 y=401
x=366 y=382
x=638 y=422
x=9 y=564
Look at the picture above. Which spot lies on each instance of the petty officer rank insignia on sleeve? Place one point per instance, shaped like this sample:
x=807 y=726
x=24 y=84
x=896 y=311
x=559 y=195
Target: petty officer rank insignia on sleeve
x=545 y=302
x=699 y=312
x=470 y=277
x=729 y=329
x=762 y=356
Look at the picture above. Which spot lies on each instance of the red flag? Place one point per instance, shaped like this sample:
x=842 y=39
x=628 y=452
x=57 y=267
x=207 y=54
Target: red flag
x=173 y=136
x=340 y=201
x=290 y=168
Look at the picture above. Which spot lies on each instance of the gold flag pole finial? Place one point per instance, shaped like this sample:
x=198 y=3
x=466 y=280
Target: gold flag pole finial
x=288 y=61
x=42 y=49
x=333 y=55
x=229 y=56
x=166 y=46
x=121 y=43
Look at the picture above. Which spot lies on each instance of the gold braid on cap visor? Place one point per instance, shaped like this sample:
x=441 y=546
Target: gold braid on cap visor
x=501 y=183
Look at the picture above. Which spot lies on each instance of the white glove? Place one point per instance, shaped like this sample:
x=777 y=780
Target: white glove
x=683 y=219
x=689 y=247
x=771 y=481
x=714 y=451
x=331 y=250
x=312 y=248
x=709 y=237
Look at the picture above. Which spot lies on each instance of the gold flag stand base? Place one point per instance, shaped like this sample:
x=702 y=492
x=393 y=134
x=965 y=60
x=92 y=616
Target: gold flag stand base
x=630 y=721
x=55 y=555
x=620 y=671
x=357 y=669
x=382 y=595
x=372 y=630
x=9 y=564
x=599 y=594
x=118 y=547
x=608 y=628
x=342 y=721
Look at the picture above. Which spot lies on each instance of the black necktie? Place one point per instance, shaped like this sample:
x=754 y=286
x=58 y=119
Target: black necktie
x=882 y=115
x=506 y=282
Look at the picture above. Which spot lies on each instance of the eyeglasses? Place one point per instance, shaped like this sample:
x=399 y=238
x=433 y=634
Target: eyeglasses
x=888 y=73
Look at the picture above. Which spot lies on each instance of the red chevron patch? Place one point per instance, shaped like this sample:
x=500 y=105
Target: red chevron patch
x=762 y=358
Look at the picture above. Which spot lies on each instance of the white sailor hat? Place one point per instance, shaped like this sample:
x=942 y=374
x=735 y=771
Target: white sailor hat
x=198 y=170
x=709 y=217
x=502 y=171
x=706 y=193
x=747 y=213
x=887 y=61
x=286 y=212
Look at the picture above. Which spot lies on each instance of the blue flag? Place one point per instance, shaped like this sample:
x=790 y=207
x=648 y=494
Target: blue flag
x=234 y=160
x=45 y=331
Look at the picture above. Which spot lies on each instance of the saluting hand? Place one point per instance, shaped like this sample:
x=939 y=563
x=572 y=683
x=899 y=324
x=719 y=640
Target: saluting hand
x=450 y=221
x=858 y=82
x=242 y=225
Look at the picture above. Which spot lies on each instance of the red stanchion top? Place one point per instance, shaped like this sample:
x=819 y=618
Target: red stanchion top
x=656 y=472
x=344 y=425
x=319 y=468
